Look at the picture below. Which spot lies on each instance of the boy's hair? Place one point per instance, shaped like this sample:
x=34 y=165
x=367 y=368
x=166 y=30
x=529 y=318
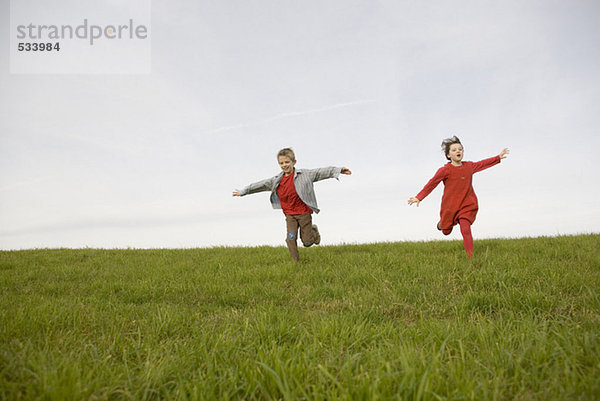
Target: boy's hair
x=446 y=143
x=287 y=152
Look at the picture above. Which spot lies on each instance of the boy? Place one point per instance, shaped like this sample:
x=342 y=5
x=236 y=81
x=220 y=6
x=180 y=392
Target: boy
x=292 y=190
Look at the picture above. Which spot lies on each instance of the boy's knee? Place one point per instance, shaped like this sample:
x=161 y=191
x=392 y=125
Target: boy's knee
x=447 y=231
x=292 y=236
x=308 y=243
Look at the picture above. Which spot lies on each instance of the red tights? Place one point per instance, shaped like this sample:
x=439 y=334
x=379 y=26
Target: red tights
x=465 y=230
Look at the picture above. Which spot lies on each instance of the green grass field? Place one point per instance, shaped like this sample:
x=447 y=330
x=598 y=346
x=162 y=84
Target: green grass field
x=389 y=321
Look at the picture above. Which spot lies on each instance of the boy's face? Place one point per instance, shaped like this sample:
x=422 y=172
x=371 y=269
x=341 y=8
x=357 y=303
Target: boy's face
x=286 y=164
x=456 y=152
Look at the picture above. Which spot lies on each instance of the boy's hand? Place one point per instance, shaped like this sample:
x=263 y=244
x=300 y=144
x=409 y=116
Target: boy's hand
x=414 y=200
x=236 y=193
x=504 y=153
x=346 y=171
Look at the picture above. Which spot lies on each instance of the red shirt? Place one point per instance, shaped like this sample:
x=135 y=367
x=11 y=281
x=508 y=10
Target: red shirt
x=288 y=197
x=459 y=200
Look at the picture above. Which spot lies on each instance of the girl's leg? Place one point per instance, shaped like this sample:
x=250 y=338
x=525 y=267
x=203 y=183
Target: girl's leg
x=446 y=231
x=465 y=230
x=292 y=236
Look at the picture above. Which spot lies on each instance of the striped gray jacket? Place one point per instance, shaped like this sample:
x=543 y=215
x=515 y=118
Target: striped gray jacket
x=303 y=180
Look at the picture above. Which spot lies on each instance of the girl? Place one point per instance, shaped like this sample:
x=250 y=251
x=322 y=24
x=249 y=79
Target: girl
x=459 y=203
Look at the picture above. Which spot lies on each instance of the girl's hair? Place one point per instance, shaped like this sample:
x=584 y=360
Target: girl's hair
x=287 y=152
x=446 y=143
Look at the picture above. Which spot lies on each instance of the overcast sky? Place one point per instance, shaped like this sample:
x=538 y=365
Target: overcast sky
x=151 y=160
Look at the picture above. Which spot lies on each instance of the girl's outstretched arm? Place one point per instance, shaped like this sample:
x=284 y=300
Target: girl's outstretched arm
x=492 y=161
x=439 y=176
x=414 y=200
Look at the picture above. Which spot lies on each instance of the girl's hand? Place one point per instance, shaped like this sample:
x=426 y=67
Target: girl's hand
x=504 y=153
x=346 y=171
x=414 y=200
x=236 y=193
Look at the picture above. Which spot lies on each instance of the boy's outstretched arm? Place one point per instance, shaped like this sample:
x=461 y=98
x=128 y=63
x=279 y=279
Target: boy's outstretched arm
x=260 y=186
x=323 y=173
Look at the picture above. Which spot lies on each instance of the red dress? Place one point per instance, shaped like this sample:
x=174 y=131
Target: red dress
x=459 y=200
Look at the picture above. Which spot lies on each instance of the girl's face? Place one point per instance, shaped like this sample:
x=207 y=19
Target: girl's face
x=455 y=153
x=286 y=164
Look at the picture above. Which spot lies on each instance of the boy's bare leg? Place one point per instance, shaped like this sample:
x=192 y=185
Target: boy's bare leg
x=292 y=236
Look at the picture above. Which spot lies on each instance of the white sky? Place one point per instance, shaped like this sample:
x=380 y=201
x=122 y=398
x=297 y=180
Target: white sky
x=151 y=160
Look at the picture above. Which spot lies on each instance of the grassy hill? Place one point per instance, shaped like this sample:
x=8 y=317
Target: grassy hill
x=405 y=321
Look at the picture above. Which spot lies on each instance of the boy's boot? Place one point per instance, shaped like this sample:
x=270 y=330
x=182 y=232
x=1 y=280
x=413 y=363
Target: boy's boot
x=317 y=234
